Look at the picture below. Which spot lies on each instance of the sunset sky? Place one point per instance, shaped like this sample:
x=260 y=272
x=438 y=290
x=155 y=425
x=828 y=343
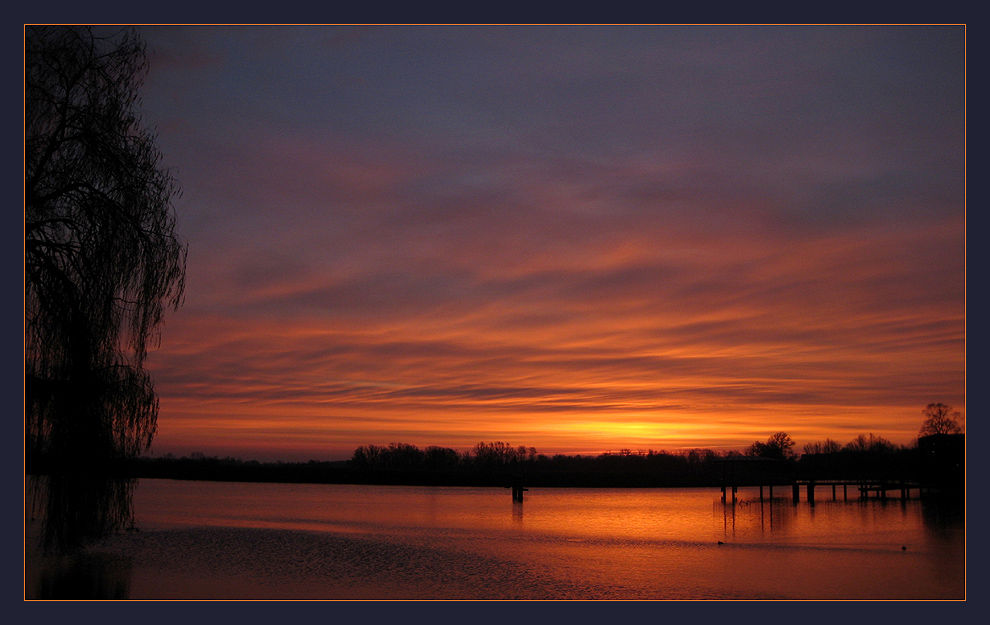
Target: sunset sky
x=579 y=238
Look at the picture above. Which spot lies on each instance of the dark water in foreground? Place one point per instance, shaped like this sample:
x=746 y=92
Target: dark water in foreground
x=212 y=540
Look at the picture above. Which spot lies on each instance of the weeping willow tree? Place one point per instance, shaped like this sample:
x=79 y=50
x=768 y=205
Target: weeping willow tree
x=102 y=265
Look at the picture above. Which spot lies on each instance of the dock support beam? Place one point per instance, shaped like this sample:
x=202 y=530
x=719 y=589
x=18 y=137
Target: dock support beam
x=868 y=489
x=517 y=493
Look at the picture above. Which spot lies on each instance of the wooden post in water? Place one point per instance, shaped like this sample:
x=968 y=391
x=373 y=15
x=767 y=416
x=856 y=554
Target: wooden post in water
x=761 y=493
x=724 y=466
x=811 y=493
x=517 y=492
x=796 y=492
x=845 y=492
x=833 y=492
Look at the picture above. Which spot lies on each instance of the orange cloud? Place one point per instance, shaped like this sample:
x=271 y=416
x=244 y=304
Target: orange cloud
x=554 y=250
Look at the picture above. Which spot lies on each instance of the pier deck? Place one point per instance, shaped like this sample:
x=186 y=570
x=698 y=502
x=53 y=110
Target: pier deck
x=867 y=488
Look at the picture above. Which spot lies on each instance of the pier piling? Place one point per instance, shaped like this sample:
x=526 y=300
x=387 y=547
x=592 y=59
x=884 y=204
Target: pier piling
x=867 y=489
x=517 y=493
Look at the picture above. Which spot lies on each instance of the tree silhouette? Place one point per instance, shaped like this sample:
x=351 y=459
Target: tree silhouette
x=827 y=446
x=939 y=419
x=870 y=443
x=496 y=454
x=102 y=263
x=779 y=447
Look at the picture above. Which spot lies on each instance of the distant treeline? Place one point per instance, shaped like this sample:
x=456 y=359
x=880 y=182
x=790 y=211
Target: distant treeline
x=938 y=458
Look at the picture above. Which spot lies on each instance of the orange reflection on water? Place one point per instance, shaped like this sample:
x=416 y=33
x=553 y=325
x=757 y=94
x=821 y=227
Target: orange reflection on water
x=241 y=540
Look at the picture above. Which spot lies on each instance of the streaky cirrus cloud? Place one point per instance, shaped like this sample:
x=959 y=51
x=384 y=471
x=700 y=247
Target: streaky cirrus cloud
x=573 y=238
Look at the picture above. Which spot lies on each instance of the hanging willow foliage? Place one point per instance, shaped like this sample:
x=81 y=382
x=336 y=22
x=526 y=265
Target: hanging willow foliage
x=102 y=263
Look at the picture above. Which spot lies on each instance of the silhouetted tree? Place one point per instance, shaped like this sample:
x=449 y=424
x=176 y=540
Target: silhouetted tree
x=828 y=446
x=779 y=446
x=495 y=454
x=403 y=456
x=102 y=263
x=698 y=456
x=441 y=458
x=939 y=419
x=870 y=443
x=367 y=456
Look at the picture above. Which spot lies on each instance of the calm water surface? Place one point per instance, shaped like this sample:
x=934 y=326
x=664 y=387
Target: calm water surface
x=212 y=540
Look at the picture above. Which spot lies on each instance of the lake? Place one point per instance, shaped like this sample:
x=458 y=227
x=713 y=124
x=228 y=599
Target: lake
x=224 y=540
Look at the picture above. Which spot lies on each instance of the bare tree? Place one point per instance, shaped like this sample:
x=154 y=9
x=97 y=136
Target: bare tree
x=828 y=446
x=779 y=446
x=102 y=263
x=495 y=454
x=940 y=419
x=870 y=443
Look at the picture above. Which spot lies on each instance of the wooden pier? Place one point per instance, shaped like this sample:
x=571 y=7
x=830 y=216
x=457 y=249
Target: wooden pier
x=867 y=489
x=734 y=490
x=752 y=472
x=877 y=489
x=517 y=492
